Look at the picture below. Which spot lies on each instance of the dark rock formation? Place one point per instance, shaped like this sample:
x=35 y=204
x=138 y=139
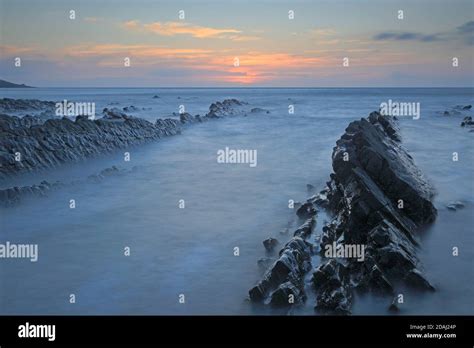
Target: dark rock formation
x=285 y=276
x=305 y=229
x=130 y=108
x=330 y=281
x=306 y=210
x=265 y=262
x=15 y=195
x=287 y=294
x=6 y=84
x=9 y=105
x=259 y=110
x=56 y=141
x=103 y=174
x=226 y=108
x=455 y=205
x=394 y=306
x=270 y=244
x=467 y=122
x=12 y=196
x=379 y=198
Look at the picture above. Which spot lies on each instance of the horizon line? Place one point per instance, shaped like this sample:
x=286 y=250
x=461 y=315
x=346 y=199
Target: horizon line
x=246 y=87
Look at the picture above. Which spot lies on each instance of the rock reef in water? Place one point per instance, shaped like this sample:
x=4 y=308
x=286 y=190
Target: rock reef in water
x=45 y=144
x=9 y=105
x=13 y=196
x=378 y=198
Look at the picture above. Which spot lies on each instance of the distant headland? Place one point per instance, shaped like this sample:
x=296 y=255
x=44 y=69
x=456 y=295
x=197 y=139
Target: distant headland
x=6 y=84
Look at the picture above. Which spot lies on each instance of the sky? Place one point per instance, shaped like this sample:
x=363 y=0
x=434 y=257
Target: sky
x=211 y=43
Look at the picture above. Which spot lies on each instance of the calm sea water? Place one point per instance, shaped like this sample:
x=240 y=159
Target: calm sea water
x=190 y=251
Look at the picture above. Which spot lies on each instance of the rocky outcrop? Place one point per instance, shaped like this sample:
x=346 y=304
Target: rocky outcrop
x=283 y=282
x=455 y=205
x=379 y=199
x=456 y=110
x=13 y=196
x=9 y=105
x=225 y=108
x=28 y=144
x=467 y=122
x=259 y=110
x=270 y=244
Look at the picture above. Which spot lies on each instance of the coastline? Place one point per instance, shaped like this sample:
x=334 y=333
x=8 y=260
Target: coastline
x=318 y=188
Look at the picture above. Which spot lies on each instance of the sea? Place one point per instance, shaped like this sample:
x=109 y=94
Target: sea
x=180 y=234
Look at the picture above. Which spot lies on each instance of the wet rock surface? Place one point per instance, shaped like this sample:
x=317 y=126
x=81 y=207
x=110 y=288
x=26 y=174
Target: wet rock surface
x=29 y=144
x=13 y=196
x=270 y=244
x=455 y=205
x=9 y=105
x=285 y=275
x=377 y=198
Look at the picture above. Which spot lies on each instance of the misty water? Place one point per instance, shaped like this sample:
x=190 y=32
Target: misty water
x=190 y=251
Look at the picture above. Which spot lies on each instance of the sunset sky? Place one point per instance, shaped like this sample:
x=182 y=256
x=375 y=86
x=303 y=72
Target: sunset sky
x=201 y=49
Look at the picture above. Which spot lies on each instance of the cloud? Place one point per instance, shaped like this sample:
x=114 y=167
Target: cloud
x=467 y=31
x=93 y=19
x=464 y=32
x=143 y=52
x=183 y=28
x=254 y=67
x=407 y=36
x=134 y=24
x=323 y=32
x=244 y=38
x=14 y=51
x=466 y=28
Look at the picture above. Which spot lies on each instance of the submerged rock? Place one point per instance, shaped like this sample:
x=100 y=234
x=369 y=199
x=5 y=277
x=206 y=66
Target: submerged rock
x=15 y=195
x=467 y=122
x=455 y=205
x=259 y=110
x=270 y=243
x=394 y=306
x=265 y=262
x=12 y=196
x=417 y=280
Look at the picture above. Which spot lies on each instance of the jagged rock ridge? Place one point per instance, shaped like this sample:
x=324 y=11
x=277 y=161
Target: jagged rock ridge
x=42 y=145
x=378 y=198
